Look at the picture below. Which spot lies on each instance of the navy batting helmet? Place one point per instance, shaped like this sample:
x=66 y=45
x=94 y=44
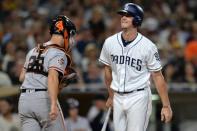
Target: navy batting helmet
x=135 y=11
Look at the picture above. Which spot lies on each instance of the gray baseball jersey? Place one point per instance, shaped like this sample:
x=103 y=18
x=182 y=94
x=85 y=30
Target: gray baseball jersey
x=53 y=58
x=34 y=107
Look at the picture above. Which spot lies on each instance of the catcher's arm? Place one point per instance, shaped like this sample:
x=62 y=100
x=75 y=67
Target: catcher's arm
x=53 y=83
x=22 y=75
x=23 y=71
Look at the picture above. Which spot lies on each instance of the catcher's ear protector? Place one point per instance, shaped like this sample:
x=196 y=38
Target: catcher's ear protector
x=62 y=25
x=135 y=11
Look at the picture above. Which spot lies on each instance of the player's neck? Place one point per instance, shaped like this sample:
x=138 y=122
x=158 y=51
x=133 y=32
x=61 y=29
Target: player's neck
x=57 y=39
x=129 y=35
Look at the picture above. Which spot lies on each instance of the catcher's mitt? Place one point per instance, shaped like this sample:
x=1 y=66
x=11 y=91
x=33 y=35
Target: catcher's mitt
x=69 y=75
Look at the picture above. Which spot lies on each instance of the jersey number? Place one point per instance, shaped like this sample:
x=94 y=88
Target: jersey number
x=36 y=64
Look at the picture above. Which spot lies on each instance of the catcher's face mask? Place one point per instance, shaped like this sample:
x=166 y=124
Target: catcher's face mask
x=62 y=25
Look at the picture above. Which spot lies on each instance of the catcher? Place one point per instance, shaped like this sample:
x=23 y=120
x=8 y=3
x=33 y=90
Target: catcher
x=46 y=70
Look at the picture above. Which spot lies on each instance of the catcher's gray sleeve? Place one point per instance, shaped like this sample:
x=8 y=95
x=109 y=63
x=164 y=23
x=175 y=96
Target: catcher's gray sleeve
x=58 y=61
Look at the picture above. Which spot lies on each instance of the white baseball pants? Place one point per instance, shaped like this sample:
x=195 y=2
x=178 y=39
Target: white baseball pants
x=131 y=111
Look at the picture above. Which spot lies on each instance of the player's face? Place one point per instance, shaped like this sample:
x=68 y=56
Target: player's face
x=126 y=21
x=68 y=41
x=73 y=112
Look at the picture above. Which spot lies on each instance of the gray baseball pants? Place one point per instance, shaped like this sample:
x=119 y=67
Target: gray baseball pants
x=34 y=108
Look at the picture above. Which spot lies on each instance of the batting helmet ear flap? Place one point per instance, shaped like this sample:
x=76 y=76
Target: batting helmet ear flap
x=137 y=21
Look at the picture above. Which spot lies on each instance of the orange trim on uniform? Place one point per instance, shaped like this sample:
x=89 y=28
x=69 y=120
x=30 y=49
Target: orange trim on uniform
x=57 y=69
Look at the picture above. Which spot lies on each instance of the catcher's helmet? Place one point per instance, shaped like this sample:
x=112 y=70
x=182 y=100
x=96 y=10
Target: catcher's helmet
x=135 y=11
x=62 y=25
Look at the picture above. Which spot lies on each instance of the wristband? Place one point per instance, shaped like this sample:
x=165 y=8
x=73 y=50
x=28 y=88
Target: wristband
x=165 y=106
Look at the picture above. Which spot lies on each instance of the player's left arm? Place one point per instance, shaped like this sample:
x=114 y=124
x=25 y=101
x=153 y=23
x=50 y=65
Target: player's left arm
x=23 y=71
x=161 y=86
x=108 y=80
x=22 y=75
x=56 y=65
x=53 y=83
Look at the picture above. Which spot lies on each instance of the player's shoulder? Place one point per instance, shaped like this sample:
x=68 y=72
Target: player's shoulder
x=111 y=39
x=50 y=49
x=31 y=51
x=147 y=43
x=55 y=51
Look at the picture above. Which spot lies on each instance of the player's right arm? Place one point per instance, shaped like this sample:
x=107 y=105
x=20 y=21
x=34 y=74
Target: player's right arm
x=105 y=59
x=53 y=83
x=108 y=80
x=57 y=64
x=154 y=66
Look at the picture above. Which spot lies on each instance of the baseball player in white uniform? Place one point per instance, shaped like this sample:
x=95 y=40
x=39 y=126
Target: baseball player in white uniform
x=45 y=65
x=130 y=59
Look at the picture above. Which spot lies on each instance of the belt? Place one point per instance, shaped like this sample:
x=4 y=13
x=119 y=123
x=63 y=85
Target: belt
x=127 y=92
x=32 y=90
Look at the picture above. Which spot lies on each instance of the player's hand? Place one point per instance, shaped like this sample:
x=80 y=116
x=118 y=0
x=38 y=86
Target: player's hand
x=166 y=114
x=109 y=102
x=54 y=112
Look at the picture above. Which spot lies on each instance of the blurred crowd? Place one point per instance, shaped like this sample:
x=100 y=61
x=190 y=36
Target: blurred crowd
x=171 y=24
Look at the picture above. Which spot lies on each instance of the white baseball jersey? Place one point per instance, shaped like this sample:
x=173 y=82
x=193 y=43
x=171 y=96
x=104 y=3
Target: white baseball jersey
x=131 y=65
